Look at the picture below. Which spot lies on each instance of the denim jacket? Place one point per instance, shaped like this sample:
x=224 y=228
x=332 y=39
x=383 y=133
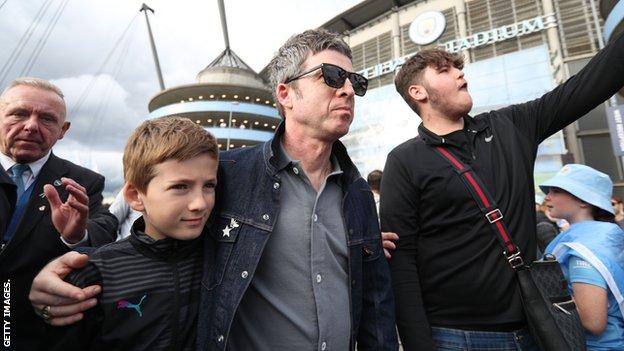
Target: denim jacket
x=249 y=193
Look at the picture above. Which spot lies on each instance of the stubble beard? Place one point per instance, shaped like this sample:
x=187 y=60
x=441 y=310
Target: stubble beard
x=446 y=107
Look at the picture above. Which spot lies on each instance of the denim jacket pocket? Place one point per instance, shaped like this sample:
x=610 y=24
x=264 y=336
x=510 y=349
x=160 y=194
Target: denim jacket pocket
x=371 y=249
x=226 y=235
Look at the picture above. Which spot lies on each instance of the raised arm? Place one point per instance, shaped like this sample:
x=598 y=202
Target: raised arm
x=600 y=79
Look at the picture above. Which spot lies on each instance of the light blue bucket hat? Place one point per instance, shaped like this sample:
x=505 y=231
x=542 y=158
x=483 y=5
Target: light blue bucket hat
x=585 y=183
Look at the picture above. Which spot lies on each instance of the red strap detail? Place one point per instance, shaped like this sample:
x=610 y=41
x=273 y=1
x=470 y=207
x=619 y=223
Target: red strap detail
x=448 y=155
x=499 y=226
x=475 y=185
x=503 y=233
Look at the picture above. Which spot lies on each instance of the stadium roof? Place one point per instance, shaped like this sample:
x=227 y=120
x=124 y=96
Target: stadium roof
x=361 y=13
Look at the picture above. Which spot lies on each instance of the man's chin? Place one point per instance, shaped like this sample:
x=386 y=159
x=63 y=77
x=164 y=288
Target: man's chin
x=28 y=157
x=467 y=108
x=336 y=134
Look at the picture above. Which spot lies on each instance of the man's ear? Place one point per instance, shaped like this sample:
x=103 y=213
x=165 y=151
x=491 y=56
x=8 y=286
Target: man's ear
x=133 y=197
x=64 y=129
x=283 y=93
x=418 y=93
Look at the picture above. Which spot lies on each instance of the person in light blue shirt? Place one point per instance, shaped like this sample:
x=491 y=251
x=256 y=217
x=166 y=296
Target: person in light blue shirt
x=591 y=251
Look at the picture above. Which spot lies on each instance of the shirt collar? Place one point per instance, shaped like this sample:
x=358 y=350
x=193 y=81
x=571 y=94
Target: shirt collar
x=471 y=124
x=276 y=162
x=283 y=155
x=35 y=167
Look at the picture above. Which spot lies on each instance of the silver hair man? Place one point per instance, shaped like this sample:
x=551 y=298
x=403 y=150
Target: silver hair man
x=288 y=60
x=35 y=83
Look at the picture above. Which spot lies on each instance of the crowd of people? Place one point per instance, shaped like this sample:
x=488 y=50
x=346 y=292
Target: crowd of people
x=280 y=246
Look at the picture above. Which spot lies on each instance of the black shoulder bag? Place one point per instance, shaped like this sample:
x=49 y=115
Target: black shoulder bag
x=550 y=310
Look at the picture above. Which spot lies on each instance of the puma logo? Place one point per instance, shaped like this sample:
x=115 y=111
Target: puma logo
x=489 y=138
x=127 y=304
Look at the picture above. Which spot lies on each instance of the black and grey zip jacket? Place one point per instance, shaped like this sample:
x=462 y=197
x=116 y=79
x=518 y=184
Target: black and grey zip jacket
x=149 y=298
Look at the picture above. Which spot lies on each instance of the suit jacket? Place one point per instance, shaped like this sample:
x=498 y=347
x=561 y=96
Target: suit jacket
x=7 y=200
x=36 y=241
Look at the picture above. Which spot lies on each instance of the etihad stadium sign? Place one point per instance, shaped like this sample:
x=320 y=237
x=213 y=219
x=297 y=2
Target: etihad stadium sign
x=499 y=34
x=518 y=29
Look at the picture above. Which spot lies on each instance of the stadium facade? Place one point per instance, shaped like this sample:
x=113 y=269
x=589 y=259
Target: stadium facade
x=229 y=99
x=516 y=50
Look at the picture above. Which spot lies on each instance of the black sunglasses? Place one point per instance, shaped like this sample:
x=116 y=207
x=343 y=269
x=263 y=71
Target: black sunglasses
x=335 y=77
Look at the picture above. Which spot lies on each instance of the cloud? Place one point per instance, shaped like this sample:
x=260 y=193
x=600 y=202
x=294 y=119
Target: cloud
x=188 y=37
x=103 y=120
x=107 y=163
x=100 y=126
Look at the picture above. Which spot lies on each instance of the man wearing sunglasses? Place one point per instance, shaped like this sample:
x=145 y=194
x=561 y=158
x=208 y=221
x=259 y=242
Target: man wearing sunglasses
x=294 y=259
x=451 y=281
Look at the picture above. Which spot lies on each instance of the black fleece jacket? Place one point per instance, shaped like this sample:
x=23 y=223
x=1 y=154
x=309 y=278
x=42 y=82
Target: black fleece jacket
x=448 y=269
x=149 y=299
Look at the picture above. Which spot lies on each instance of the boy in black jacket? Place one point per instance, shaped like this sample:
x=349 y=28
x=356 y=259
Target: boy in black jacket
x=150 y=280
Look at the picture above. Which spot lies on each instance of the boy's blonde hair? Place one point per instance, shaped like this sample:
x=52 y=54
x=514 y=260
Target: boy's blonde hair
x=158 y=140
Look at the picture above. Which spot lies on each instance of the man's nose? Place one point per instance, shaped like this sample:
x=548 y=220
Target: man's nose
x=32 y=123
x=347 y=89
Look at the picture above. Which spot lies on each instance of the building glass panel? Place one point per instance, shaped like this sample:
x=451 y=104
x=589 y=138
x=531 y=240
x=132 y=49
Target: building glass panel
x=485 y=15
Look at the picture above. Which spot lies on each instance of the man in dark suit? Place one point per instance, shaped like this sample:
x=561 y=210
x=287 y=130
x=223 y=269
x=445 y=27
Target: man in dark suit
x=7 y=200
x=58 y=205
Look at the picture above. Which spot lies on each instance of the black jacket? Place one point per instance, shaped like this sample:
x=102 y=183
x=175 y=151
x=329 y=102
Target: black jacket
x=149 y=300
x=36 y=241
x=448 y=269
x=7 y=200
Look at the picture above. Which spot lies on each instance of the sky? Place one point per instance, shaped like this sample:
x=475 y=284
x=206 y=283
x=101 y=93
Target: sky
x=98 y=53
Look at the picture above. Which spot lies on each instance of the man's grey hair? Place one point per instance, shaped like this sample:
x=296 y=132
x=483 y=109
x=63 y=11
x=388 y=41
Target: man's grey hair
x=35 y=83
x=288 y=60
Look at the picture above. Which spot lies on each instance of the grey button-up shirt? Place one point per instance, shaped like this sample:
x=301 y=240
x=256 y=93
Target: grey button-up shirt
x=299 y=296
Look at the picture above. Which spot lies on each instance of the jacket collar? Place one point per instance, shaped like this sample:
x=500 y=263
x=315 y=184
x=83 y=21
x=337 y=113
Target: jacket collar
x=166 y=249
x=38 y=205
x=5 y=179
x=275 y=160
x=474 y=125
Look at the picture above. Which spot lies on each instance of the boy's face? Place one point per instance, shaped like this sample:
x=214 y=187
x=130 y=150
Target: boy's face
x=179 y=199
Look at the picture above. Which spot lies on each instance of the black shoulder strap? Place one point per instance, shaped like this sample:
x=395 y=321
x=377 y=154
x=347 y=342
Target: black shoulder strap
x=487 y=205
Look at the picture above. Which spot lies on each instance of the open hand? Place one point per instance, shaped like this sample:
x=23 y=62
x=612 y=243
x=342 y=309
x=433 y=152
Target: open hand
x=69 y=217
